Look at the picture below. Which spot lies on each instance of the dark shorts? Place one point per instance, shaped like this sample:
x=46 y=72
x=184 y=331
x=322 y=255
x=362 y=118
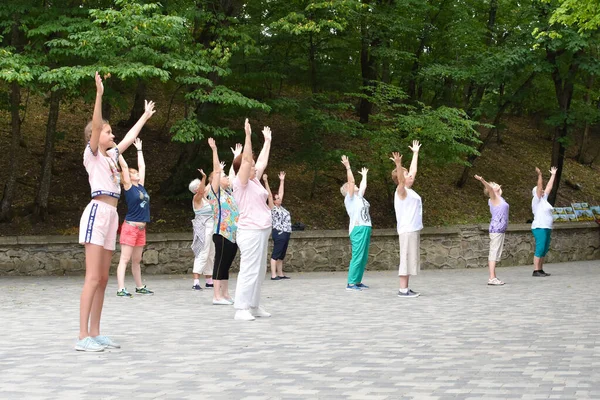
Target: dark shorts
x=280 y=244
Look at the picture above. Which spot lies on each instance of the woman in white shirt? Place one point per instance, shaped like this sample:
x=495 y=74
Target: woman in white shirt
x=541 y=226
x=409 y=217
x=357 y=208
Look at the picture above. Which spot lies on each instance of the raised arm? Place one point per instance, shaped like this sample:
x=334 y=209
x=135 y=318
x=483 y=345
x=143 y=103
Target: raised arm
x=125 y=178
x=349 y=176
x=97 y=120
x=490 y=190
x=244 y=171
x=263 y=157
x=540 y=184
x=141 y=162
x=415 y=159
x=270 y=198
x=236 y=152
x=216 y=177
x=136 y=129
x=363 y=181
x=199 y=195
x=400 y=189
x=281 y=185
x=550 y=181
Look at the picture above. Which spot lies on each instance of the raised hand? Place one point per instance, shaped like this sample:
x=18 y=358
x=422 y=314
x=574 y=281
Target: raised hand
x=247 y=127
x=415 y=146
x=364 y=172
x=265 y=177
x=222 y=165
x=138 y=144
x=149 y=108
x=479 y=178
x=202 y=173
x=267 y=133
x=396 y=158
x=346 y=162
x=553 y=170
x=212 y=144
x=237 y=150
x=99 y=84
x=538 y=171
x=282 y=175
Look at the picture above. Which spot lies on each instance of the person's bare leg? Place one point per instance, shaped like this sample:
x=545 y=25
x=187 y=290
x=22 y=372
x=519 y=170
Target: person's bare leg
x=93 y=276
x=492 y=267
x=273 y=268
x=225 y=289
x=136 y=269
x=96 y=311
x=403 y=281
x=217 y=289
x=279 y=267
x=537 y=263
x=126 y=252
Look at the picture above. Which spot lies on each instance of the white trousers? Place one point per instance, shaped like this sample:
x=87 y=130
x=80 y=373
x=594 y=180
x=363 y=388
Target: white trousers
x=253 y=266
x=204 y=263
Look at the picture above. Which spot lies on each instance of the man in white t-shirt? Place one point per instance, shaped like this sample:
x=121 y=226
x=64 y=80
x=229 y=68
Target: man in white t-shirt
x=409 y=217
x=541 y=226
x=359 y=229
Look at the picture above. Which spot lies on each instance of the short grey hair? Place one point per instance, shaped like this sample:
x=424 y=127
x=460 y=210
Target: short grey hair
x=194 y=185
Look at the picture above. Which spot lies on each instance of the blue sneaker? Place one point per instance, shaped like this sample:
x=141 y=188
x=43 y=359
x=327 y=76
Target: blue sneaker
x=353 y=288
x=124 y=293
x=362 y=286
x=143 y=290
x=197 y=287
x=88 y=344
x=106 y=342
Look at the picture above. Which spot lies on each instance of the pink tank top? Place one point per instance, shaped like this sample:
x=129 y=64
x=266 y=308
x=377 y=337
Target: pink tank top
x=103 y=173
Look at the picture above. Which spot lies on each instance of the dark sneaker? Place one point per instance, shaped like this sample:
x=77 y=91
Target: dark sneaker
x=547 y=274
x=210 y=285
x=362 y=286
x=197 y=287
x=353 y=288
x=277 y=278
x=124 y=293
x=285 y=277
x=144 y=290
x=540 y=273
x=410 y=293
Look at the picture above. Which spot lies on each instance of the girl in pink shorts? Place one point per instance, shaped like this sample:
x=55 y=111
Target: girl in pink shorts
x=99 y=222
x=133 y=230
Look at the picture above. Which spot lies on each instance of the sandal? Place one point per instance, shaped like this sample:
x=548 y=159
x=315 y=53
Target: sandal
x=495 y=282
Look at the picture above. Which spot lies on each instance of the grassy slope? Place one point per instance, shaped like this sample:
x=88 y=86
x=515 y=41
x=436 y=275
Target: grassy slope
x=511 y=164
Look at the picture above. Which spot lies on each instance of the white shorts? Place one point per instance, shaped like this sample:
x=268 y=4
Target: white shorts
x=204 y=262
x=496 y=246
x=410 y=253
x=99 y=224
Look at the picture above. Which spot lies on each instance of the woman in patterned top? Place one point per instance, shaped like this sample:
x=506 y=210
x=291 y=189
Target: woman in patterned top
x=226 y=215
x=498 y=225
x=282 y=228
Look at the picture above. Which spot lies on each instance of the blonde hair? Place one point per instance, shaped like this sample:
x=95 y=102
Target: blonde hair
x=485 y=189
x=344 y=189
x=395 y=174
x=87 y=131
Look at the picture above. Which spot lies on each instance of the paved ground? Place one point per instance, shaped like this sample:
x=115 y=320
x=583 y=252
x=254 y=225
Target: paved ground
x=534 y=338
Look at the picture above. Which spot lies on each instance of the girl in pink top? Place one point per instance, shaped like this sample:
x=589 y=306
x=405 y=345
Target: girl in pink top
x=254 y=227
x=99 y=222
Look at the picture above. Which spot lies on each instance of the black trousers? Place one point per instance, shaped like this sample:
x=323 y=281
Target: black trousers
x=225 y=251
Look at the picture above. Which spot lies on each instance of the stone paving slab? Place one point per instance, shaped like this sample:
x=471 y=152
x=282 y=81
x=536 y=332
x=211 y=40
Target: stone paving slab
x=534 y=338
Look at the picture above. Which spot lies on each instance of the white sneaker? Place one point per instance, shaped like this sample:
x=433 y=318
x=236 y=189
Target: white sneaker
x=244 y=315
x=221 y=302
x=259 y=312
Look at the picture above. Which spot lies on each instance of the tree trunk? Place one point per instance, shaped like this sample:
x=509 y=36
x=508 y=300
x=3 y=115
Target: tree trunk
x=41 y=201
x=137 y=110
x=369 y=74
x=11 y=182
x=586 y=129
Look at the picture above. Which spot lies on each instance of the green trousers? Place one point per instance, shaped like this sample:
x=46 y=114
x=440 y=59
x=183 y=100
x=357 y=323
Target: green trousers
x=360 y=238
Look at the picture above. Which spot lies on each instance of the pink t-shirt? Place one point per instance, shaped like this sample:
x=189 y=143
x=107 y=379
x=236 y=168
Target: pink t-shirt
x=251 y=200
x=103 y=173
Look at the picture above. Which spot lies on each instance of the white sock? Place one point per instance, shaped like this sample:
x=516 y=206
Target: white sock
x=405 y=290
x=196 y=282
